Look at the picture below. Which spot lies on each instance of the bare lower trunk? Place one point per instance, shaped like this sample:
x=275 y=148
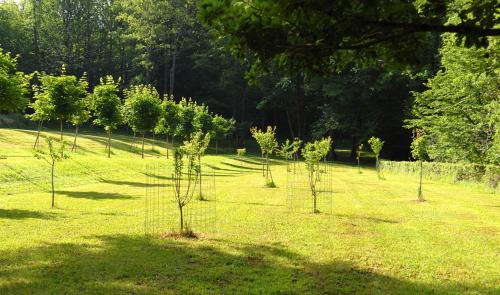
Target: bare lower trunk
x=420 y=197
x=73 y=148
x=377 y=166
x=109 y=143
x=37 y=140
x=153 y=142
x=61 y=126
x=181 y=217
x=133 y=141
x=199 y=163
x=52 y=182
x=142 y=154
x=166 y=144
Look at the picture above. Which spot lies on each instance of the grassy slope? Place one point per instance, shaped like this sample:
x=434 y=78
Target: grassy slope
x=377 y=239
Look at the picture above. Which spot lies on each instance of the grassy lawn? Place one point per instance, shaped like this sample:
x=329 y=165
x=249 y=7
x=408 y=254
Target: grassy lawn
x=377 y=240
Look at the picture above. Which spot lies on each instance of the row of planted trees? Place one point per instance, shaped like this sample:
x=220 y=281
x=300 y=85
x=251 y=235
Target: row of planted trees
x=65 y=98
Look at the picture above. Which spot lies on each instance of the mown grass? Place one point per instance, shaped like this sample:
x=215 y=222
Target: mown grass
x=377 y=240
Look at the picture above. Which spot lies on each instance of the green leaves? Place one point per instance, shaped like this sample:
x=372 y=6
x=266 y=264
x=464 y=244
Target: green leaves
x=459 y=111
x=55 y=152
x=142 y=107
x=13 y=85
x=324 y=35
x=314 y=151
x=106 y=104
x=266 y=139
x=376 y=145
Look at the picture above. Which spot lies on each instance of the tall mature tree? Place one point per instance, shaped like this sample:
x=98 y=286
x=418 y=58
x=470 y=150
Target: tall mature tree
x=460 y=110
x=142 y=109
x=106 y=106
x=161 y=29
x=320 y=35
x=13 y=84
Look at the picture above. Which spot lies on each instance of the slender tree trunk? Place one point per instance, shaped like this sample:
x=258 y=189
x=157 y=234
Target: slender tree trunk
x=109 y=142
x=133 y=141
x=38 y=134
x=172 y=74
x=420 y=198
x=359 y=165
x=315 y=202
x=73 y=148
x=166 y=144
x=377 y=166
x=52 y=181
x=199 y=163
x=182 y=218
x=153 y=142
x=61 y=126
x=263 y=163
x=142 y=154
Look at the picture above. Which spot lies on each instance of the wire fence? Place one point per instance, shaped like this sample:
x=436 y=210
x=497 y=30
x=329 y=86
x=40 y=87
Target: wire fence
x=162 y=210
x=309 y=191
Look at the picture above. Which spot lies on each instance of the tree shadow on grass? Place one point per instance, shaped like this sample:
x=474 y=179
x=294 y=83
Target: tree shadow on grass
x=368 y=218
x=134 y=264
x=24 y=214
x=135 y=183
x=95 y=195
x=240 y=166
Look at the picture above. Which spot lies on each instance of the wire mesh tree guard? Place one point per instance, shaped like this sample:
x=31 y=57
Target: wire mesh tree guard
x=309 y=192
x=162 y=213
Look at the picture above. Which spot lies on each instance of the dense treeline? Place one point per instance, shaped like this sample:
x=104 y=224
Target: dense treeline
x=187 y=49
x=162 y=43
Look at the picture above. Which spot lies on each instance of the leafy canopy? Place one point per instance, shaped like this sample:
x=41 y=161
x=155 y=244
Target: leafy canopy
x=460 y=110
x=142 y=107
x=266 y=139
x=376 y=145
x=106 y=104
x=64 y=93
x=13 y=85
x=319 y=35
x=313 y=152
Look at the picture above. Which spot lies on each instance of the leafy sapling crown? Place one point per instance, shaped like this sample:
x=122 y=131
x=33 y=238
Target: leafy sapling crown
x=51 y=157
x=268 y=144
x=313 y=152
x=376 y=145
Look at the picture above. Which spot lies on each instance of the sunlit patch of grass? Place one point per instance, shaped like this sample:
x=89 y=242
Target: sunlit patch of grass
x=376 y=240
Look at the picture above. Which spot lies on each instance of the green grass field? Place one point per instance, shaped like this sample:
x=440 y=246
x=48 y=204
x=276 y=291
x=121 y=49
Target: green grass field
x=377 y=240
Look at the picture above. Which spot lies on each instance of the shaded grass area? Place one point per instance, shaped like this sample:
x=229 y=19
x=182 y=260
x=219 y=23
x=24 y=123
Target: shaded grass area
x=377 y=240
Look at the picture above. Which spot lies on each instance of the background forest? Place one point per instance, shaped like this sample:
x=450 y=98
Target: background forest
x=163 y=43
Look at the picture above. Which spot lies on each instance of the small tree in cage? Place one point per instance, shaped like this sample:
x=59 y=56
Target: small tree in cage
x=197 y=146
x=419 y=152
x=376 y=145
x=241 y=152
x=285 y=150
x=358 y=157
x=184 y=181
x=52 y=156
x=268 y=144
x=296 y=144
x=313 y=152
